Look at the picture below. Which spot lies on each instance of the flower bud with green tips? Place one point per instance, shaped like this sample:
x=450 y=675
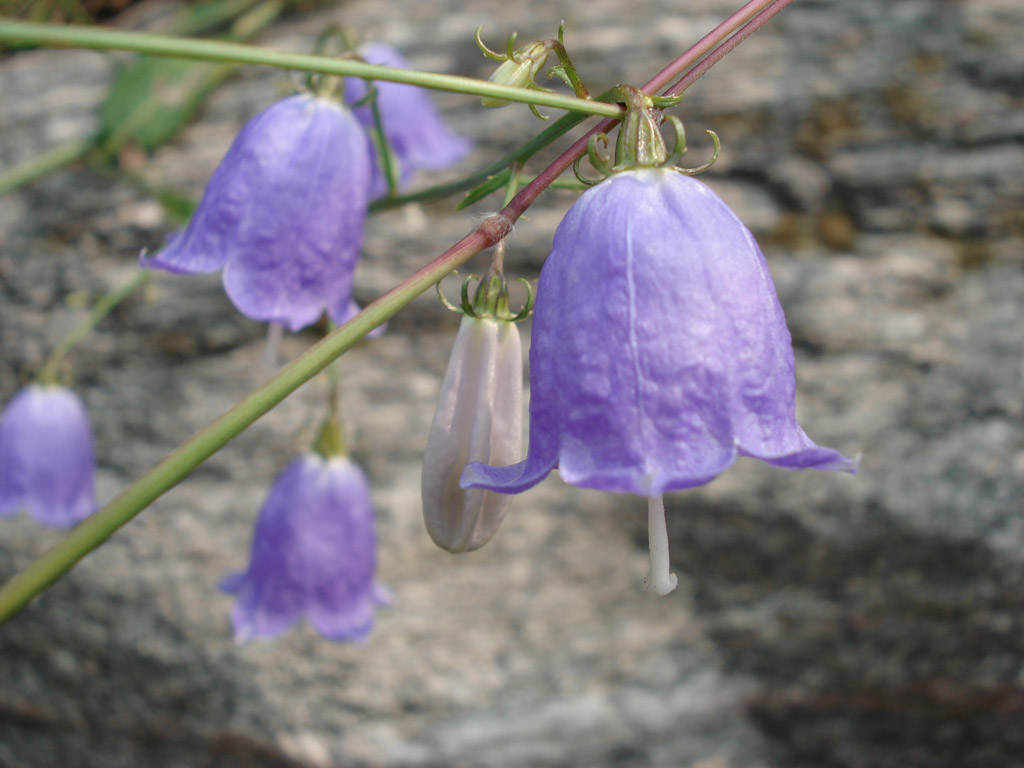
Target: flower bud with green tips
x=479 y=414
x=518 y=68
x=519 y=71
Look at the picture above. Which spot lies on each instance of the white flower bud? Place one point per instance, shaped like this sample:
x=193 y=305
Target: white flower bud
x=478 y=418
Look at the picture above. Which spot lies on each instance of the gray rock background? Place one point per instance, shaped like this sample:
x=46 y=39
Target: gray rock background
x=877 y=150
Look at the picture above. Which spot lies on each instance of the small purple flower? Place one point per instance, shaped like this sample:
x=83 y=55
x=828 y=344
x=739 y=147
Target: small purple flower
x=660 y=352
x=413 y=126
x=46 y=457
x=283 y=214
x=313 y=554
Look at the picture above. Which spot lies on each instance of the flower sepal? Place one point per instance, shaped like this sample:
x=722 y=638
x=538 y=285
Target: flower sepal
x=329 y=440
x=519 y=66
x=490 y=300
x=640 y=142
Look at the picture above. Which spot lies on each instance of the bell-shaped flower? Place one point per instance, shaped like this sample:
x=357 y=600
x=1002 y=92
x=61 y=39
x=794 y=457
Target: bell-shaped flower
x=660 y=352
x=313 y=555
x=283 y=214
x=46 y=457
x=414 y=129
x=478 y=418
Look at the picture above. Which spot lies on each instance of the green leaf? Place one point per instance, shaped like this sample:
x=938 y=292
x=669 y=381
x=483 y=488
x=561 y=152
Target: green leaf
x=152 y=99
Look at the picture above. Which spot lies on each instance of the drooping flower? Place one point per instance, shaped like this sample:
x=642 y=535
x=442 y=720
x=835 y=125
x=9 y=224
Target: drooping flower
x=478 y=418
x=660 y=352
x=283 y=214
x=414 y=128
x=313 y=555
x=46 y=457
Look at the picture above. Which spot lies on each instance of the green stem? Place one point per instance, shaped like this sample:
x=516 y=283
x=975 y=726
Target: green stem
x=388 y=161
x=55 y=158
x=50 y=372
x=571 y=75
x=333 y=375
x=28 y=34
x=330 y=441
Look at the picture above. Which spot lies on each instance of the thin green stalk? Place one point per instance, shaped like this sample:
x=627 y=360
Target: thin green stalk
x=50 y=372
x=20 y=33
x=58 y=157
x=388 y=160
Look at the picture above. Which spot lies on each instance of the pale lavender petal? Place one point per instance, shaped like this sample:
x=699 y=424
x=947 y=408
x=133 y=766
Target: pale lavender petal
x=414 y=128
x=283 y=213
x=46 y=457
x=544 y=433
x=271 y=591
x=342 y=551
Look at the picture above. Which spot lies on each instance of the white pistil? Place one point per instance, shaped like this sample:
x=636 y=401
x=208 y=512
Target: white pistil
x=658 y=579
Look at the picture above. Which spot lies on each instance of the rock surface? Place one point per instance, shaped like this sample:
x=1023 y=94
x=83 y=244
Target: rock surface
x=855 y=622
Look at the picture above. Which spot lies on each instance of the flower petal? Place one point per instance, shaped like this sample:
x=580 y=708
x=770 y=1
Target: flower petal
x=271 y=591
x=296 y=252
x=46 y=457
x=478 y=417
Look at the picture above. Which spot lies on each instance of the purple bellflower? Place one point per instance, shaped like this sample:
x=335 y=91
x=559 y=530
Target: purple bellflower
x=283 y=215
x=418 y=136
x=46 y=457
x=313 y=554
x=660 y=352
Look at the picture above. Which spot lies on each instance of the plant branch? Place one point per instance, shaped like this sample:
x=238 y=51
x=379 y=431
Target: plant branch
x=91 y=533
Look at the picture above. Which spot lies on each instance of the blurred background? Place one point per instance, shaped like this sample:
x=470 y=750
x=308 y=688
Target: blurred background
x=875 y=148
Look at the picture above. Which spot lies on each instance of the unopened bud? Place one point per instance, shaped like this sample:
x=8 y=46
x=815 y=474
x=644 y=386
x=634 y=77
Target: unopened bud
x=518 y=71
x=478 y=418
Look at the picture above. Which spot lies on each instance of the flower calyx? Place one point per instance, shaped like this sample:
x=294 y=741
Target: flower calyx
x=640 y=143
x=330 y=442
x=490 y=300
x=519 y=67
x=338 y=41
